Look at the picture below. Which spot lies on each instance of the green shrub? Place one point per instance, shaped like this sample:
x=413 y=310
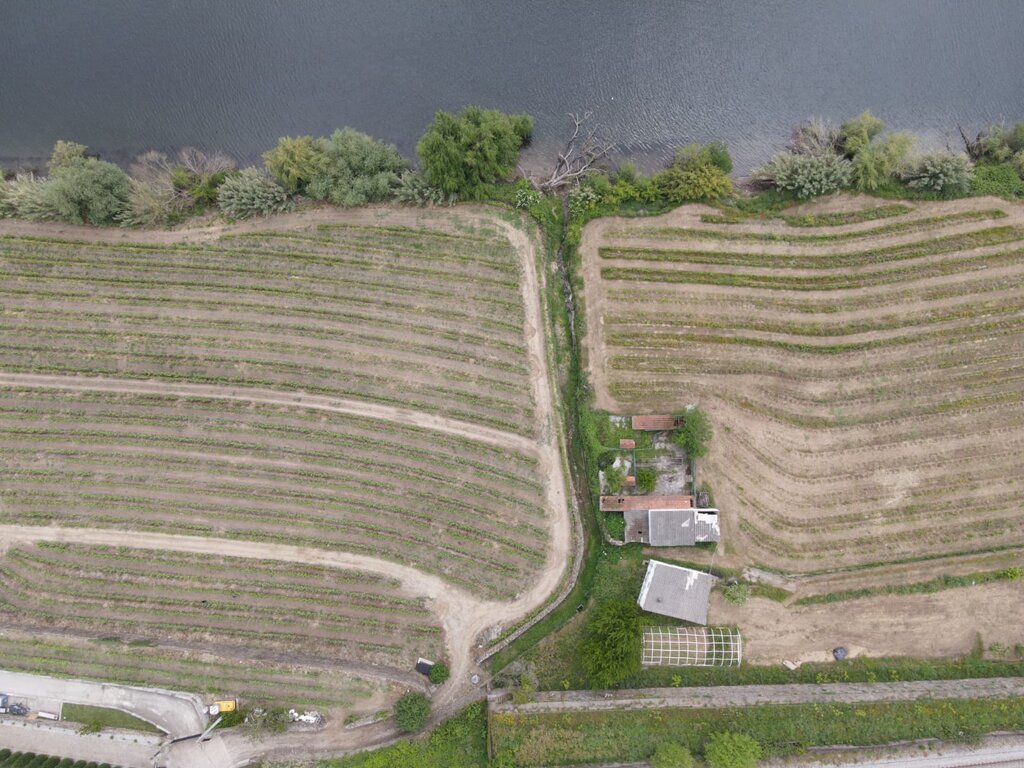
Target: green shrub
x=646 y=479
x=669 y=754
x=737 y=594
x=356 y=169
x=732 y=750
x=93 y=726
x=294 y=162
x=439 y=673
x=64 y=154
x=704 y=182
x=252 y=193
x=412 y=712
x=413 y=189
x=463 y=154
x=87 y=191
x=856 y=135
x=948 y=173
x=699 y=155
x=612 y=645
x=695 y=433
x=814 y=137
x=1000 y=180
x=878 y=162
x=1018 y=163
x=197 y=175
x=806 y=175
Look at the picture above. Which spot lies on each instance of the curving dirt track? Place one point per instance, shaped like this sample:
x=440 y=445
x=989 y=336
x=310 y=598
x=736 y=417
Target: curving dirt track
x=465 y=617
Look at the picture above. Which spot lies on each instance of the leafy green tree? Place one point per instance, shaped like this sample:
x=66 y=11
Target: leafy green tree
x=412 y=712
x=695 y=433
x=463 y=154
x=356 y=169
x=439 y=673
x=948 y=173
x=702 y=182
x=87 y=191
x=880 y=161
x=857 y=134
x=294 y=162
x=65 y=153
x=646 y=479
x=669 y=754
x=613 y=479
x=612 y=647
x=732 y=750
x=252 y=193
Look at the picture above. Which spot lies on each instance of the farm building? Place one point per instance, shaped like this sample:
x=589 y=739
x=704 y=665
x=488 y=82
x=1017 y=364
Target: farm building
x=672 y=527
x=656 y=423
x=631 y=503
x=671 y=590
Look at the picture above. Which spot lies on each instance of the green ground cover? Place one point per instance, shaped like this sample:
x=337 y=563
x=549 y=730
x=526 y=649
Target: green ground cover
x=597 y=737
x=9 y=759
x=105 y=717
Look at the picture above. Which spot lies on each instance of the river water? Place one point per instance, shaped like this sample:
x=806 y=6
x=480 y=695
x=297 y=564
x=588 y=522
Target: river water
x=127 y=75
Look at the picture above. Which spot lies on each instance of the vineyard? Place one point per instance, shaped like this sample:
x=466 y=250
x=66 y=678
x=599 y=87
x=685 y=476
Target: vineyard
x=215 y=601
x=365 y=392
x=862 y=370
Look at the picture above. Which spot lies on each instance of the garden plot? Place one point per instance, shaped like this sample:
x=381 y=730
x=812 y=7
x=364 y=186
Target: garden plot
x=863 y=379
x=692 y=647
x=214 y=603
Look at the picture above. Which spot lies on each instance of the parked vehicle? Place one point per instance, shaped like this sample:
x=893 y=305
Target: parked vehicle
x=47 y=715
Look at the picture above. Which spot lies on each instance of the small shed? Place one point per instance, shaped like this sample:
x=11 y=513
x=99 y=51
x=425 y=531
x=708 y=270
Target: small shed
x=423 y=666
x=625 y=444
x=659 y=423
x=627 y=503
x=671 y=590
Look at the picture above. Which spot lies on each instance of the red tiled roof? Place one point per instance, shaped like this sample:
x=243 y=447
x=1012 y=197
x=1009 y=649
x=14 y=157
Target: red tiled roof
x=631 y=503
x=654 y=423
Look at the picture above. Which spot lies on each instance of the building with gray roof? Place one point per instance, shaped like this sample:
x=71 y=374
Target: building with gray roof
x=671 y=590
x=673 y=527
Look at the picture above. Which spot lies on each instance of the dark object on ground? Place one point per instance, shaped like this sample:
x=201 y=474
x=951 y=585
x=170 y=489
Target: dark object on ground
x=840 y=653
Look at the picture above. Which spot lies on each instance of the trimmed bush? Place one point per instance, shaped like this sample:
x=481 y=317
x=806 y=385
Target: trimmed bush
x=439 y=673
x=294 y=162
x=252 y=193
x=612 y=647
x=463 y=154
x=737 y=594
x=412 y=712
x=669 y=754
x=356 y=169
x=732 y=750
x=87 y=191
x=948 y=173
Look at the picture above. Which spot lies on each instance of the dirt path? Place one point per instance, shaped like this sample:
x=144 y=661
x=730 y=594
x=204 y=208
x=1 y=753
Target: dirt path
x=476 y=432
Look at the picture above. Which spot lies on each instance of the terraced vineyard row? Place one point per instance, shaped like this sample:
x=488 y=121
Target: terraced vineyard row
x=469 y=512
x=265 y=681
x=407 y=317
x=213 y=602
x=867 y=399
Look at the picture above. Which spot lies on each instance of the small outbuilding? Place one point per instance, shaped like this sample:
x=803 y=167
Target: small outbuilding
x=660 y=423
x=672 y=527
x=630 y=503
x=671 y=590
x=625 y=444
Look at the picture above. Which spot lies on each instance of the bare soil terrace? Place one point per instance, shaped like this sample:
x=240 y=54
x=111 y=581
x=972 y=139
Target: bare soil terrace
x=864 y=383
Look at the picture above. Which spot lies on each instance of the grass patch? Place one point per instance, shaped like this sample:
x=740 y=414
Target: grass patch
x=105 y=718
x=598 y=737
x=938 y=584
x=459 y=743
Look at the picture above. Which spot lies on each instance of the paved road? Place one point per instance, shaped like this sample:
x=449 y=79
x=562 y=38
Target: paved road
x=177 y=714
x=749 y=695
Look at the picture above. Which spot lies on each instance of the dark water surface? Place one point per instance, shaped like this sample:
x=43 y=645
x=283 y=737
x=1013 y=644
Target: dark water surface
x=127 y=75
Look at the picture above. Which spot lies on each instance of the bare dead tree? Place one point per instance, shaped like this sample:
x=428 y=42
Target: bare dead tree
x=972 y=147
x=582 y=151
